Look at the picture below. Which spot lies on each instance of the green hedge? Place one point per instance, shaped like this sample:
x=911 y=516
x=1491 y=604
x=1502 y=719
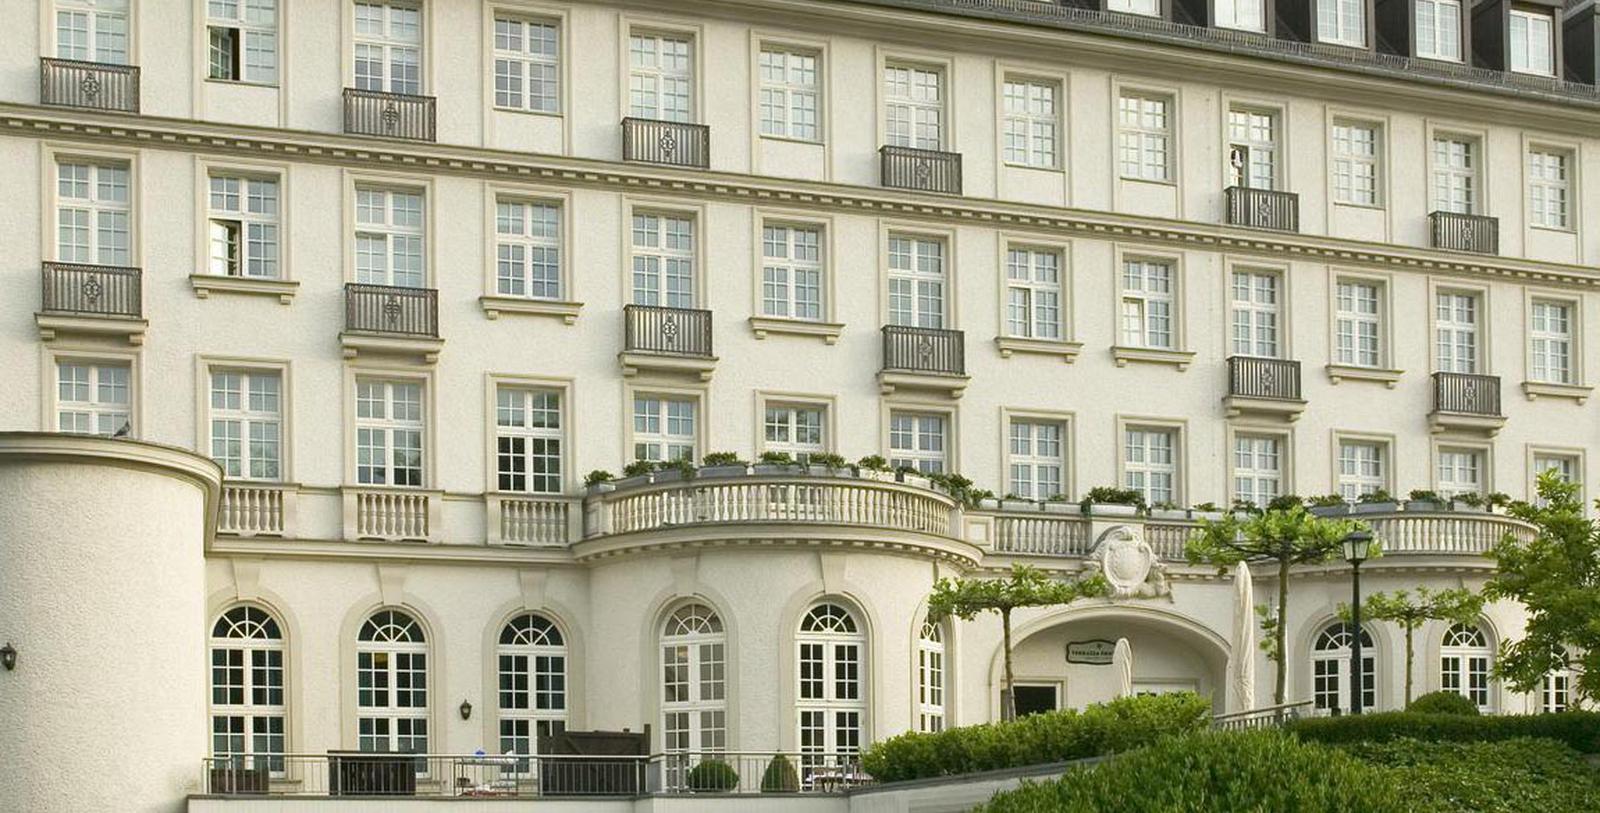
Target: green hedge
x=1579 y=730
x=1443 y=702
x=1041 y=738
x=1206 y=772
x=1509 y=776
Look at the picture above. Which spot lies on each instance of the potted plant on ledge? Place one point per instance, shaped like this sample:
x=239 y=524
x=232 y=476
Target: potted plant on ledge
x=723 y=464
x=1112 y=502
x=775 y=463
x=1375 y=502
x=1422 y=499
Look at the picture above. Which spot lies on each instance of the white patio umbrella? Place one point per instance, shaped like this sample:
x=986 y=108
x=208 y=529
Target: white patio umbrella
x=1242 y=677
x=1122 y=664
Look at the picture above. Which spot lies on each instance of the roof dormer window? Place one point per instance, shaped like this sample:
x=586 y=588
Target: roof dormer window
x=1530 y=46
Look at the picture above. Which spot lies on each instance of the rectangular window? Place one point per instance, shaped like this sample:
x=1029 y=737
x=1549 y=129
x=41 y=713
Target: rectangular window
x=1030 y=122
x=660 y=77
x=389 y=235
x=1256 y=303
x=1033 y=293
x=1245 y=15
x=791 y=272
x=790 y=99
x=1567 y=468
x=93 y=397
x=1357 y=324
x=389 y=432
x=1257 y=468
x=916 y=281
x=1548 y=188
x=1253 y=148
x=1148 y=300
x=528 y=440
x=1148 y=8
x=92 y=30
x=1342 y=22
x=913 y=107
x=388 y=46
x=1363 y=468
x=1036 y=459
x=243 y=226
x=527 y=65
x=920 y=441
x=1551 y=339
x=1460 y=472
x=663 y=428
x=1150 y=463
x=1455 y=331
x=1144 y=137
x=1355 y=163
x=1455 y=175
x=247 y=423
x=1439 y=29
x=1529 y=43
x=663 y=260
x=797 y=429
x=527 y=244
x=94 y=210
x=242 y=40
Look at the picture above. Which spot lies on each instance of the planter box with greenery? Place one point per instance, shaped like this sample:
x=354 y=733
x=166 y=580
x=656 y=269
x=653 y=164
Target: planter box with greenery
x=1112 y=501
x=1378 y=502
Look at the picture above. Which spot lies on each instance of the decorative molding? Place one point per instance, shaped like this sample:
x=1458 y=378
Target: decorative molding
x=1148 y=355
x=1066 y=351
x=493 y=306
x=1541 y=389
x=206 y=284
x=827 y=331
x=1340 y=372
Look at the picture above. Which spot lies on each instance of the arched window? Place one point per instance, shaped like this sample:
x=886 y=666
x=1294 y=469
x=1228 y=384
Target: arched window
x=694 y=687
x=1464 y=661
x=1557 y=694
x=532 y=660
x=392 y=685
x=930 y=677
x=1330 y=668
x=831 y=702
x=247 y=706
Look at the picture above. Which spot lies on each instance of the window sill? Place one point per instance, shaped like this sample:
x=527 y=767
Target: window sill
x=1151 y=181
x=1339 y=372
x=493 y=306
x=1009 y=345
x=1370 y=207
x=1545 y=389
x=827 y=331
x=554 y=114
x=1552 y=229
x=240 y=83
x=205 y=285
x=804 y=142
x=1150 y=355
x=1055 y=170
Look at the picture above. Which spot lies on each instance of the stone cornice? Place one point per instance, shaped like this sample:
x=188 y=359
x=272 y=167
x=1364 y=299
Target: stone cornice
x=779 y=536
x=442 y=159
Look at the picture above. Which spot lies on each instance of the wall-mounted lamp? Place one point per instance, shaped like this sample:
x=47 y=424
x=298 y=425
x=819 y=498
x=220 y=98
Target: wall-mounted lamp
x=8 y=656
x=466 y=709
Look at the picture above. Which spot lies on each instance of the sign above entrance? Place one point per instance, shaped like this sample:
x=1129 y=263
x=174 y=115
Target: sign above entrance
x=1094 y=653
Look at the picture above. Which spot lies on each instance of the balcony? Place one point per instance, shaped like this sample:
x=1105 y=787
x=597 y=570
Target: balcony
x=1263 y=386
x=257 y=509
x=389 y=115
x=673 y=143
x=1459 y=232
x=91 y=299
x=1262 y=208
x=920 y=170
x=533 y=520
x=670 y=340
x=923 y=358
x=392 y=514
x=89 y=85
x=1466 y=402
x=391 y=319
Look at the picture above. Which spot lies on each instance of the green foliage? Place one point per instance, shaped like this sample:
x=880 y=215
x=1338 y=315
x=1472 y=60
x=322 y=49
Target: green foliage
x=829 y=460
x=1025 y=587
x=683 y=466
x=1579 y=730
x=597 y=477
x=1208 y=507
x=712 y=776
x=1443 y=702
x=1457 y=606
x=1283 y=502
x=1057 y=736
x=1326 y=501
x=722 y=459
x=638 y=468
x=777 y=458
x=1497 y=499
x=960 y=488
x=1556 y=578
x=1424 y=495
x=1471 y=498
x=1214 y=771
x=1112 y=495
x=873 y=462
x=1511 y=776
x=780 y=776
x=1381 y=495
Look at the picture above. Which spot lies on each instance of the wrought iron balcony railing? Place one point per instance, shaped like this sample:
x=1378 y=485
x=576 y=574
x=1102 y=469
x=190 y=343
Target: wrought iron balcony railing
x=924 y=350
x=391 y=309
x=91 y=85
x=1263 y=208
x=91 y=290
x=666 y=142
x=920 y=170
x=1459 y=232
x=391 y=115
x=1255 y=377
x=668 y=331
x=1465 y=394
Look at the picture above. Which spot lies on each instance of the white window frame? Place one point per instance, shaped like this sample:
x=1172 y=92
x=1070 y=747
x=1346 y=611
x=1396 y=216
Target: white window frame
x=782 y=429
x=1553 y=355
x=1035 y=285
x=527 y=58
x=390 y=391
x=96 y=378
x=398 y=55
x=920 y=439
x=793 y=259
x=1521 y=36
x=546 y=683
x=914 y=105
x=1357 y=148
x=831 y=643
x=1434 y=39
x=1455 y=173
x=1460 y=469
x=661 y=89
x=1550 y=197
x=1258 y=471
x=1143 y=8
x=661 y=443
x=1255 y=145
x=523 y=417
x=249 y=41
x=789 y=95
x=1149 y=293
x=529 y=251
x=1241 y=15
x=1330 y=670
x=1355 y=324
x=1145 y=130
x=1463 y=663
x=1038 y=449
x=249 y=461
x=255 y=636
x=1569 y=463
x=1140 y=446
x=663 y=257
x=933 y=672
x=107 y=34
x=1361 y=465
x=1458 y=331
x=696 y=632
x=917 y=279
x=393 y=232
x=1341 y=22
x=244 y=224
x=1031 y=121
x=1256 y=302
x=102 y=225
x=391 y=651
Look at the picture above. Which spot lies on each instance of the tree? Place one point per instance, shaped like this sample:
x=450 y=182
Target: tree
x=1556 y=577
x=1286 y=536
x=1458 y=606
x=1025 y=587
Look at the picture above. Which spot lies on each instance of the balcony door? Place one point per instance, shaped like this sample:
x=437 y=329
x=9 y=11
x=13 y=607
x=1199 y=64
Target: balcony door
x=1256 y=304
x=917 y=282
x=663 y=260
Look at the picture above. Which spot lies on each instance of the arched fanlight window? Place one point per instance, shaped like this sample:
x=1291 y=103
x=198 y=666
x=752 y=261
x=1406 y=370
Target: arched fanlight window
x=694 y=688
x=1330 y=670
x=831 y=700
x=930 y=677
x=1464 y=662
x=531 y=659
x=392 y=685
x=247 y=698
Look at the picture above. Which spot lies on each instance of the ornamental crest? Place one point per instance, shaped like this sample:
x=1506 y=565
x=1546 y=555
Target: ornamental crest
x=1129 y=564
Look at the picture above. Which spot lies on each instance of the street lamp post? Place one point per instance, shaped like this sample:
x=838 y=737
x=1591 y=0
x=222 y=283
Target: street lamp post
x=1357 y=548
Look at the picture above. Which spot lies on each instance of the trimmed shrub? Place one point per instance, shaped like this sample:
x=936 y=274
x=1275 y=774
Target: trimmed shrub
x=712 y=776
x=1578 y=730
x=1510 y=776
x=1059 y=736
x=780 y=776
x=1212 y=771
x=1443 y=703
